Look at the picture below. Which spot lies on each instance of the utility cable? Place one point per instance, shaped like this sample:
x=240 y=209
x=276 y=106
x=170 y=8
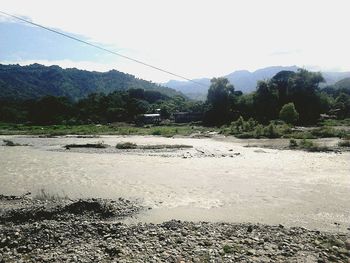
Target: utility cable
x=102 y=48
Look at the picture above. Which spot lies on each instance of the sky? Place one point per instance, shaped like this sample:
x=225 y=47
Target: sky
x=192 y=38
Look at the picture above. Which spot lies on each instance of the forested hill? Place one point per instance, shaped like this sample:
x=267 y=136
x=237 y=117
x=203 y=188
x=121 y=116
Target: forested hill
x=343 y=85
x=35 y=81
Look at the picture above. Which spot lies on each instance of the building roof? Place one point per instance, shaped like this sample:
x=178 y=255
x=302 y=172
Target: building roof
x=152 y=115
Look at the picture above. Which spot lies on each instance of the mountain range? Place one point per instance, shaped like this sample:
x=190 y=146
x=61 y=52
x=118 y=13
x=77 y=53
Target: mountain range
x=243 y=80
x=35 y=81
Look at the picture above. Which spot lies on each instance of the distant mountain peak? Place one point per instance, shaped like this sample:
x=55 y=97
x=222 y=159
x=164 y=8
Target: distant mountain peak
x=244 y=80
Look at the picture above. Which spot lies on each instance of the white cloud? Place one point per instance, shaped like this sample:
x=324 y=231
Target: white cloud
x=204 y=38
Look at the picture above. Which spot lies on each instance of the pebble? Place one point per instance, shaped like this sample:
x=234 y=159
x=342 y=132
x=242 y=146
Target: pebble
x=85 y=237
x=347 y=244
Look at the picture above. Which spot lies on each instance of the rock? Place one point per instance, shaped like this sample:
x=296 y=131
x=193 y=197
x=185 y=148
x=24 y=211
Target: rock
x=251 y=252
x=83 y=237
x=347 y=244
x=334 y=258
x=339 y=243
x=22 y=249
x=113 y=251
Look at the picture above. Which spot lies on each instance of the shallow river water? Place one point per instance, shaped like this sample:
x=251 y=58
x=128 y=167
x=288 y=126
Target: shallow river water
x=216 y=180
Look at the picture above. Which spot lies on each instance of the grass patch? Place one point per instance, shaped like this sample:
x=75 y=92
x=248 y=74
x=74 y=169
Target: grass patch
x=164 y=146
x=114 y=129
x=130 y=145
x=308 y=145
x=98 y=145
x=228 y=249
x=246 y=129
x=126 y=145
x=252 y=129
x=240 y=128
x=328 y=132
x=344 y=122
x=344 y=143
x=311 y=146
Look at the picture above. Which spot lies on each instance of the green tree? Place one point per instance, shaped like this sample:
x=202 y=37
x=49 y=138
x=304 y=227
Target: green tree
x=136 y=106
x=289 y=114
x=266 y=101
x=342 y=104
x=220 y=99
x=51 y=110
x=282 y=81
x=304 y=92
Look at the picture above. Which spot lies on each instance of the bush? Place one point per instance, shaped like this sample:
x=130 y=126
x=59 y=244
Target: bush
x=258 y=131
x=306 y=144
x=293 y=143
x=271 y=132
x=289 y=114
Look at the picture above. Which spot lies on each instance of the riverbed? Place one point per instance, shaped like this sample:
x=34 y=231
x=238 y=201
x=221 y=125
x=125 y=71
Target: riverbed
x=218 y=179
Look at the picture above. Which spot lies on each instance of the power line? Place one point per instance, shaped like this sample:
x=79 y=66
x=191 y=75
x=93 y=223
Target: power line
x=101 y=48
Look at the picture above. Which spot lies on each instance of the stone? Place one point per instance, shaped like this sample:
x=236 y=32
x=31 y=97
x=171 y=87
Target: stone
x=347 y=244
x=339 y=242
x=251 y=252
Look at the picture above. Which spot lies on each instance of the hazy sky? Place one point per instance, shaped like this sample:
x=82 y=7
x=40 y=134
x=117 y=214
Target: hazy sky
x=189 y=37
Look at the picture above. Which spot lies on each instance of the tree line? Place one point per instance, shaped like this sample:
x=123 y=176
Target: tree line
x=295 y=97
x=118 y=106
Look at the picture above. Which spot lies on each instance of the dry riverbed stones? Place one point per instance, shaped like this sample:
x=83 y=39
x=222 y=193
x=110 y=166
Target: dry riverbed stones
x=82 y=231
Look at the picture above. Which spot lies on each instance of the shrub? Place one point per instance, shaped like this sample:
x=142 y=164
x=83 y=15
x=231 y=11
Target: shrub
x=293 y=143
x=306 y=144
x=289 y=114
x=258 y=131
x=270 y=131
x=164 y=146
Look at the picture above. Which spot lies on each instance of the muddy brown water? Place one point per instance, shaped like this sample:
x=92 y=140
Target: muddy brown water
x=217 y=180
